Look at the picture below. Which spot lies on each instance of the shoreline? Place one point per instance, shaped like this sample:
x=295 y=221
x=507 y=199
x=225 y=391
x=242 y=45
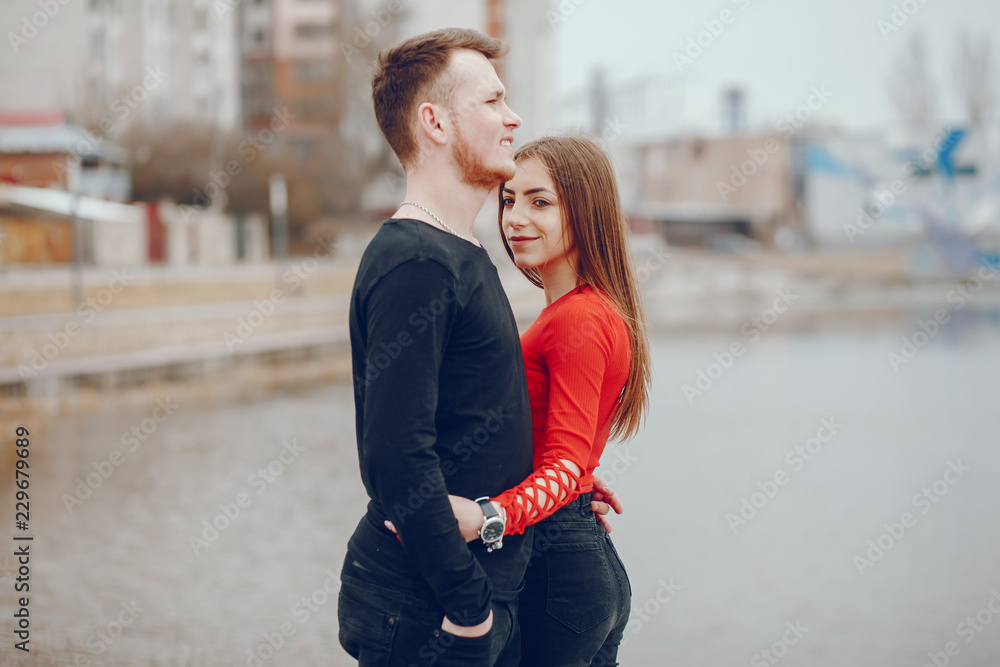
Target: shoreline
x=224 y=334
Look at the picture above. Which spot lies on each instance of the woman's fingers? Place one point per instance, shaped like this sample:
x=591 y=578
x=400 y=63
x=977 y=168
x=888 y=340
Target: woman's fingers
x=602 y=492
x=603 y=500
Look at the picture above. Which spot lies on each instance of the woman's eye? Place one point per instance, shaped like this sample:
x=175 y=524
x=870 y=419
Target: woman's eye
x=540 y=203
x=507 y=201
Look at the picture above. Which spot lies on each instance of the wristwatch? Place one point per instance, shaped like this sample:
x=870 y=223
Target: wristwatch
x=493 y=525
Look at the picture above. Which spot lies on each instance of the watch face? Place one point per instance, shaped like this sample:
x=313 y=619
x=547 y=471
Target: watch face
x=492 y=530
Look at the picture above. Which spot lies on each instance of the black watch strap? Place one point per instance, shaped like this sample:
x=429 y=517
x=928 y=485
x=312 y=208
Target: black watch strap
x=488 y=510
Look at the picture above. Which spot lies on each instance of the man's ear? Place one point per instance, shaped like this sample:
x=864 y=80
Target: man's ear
x=432 y=122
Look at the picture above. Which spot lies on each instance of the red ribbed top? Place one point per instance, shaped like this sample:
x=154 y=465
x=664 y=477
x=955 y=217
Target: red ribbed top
x=576 y=358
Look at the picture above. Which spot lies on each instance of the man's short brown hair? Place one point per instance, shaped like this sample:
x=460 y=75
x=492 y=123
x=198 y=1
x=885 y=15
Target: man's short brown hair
x=410 y=73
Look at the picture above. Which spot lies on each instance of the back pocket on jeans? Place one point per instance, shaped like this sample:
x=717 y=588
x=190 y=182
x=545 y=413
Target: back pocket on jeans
x=579 y=583
x=363 y=624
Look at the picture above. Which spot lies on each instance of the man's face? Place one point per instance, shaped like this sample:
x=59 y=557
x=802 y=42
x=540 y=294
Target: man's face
x=482 y=122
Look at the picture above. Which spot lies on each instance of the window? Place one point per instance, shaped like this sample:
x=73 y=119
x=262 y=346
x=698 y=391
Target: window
x=97 y=44
x=314 y=108
x=301 y=148
x=314 y=70
x=257 y=74
x=313 y=30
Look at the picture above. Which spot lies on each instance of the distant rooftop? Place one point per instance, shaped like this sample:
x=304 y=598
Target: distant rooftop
x=31 y=118
x=52 y=132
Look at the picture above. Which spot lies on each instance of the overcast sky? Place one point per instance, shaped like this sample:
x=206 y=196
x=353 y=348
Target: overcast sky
x=776 y=49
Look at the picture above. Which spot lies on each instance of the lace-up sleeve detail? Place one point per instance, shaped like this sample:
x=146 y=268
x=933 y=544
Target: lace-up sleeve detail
x=549 y=488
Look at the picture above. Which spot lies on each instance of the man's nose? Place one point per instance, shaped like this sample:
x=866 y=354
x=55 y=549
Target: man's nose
x=513 y=120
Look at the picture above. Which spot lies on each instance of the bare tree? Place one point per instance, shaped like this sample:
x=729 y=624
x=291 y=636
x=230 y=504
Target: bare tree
x=329 y=155
x=910 y=86
x=353 y=152
x=975 y=78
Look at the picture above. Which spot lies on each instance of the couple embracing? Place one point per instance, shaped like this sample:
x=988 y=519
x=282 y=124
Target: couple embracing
x=471 y=439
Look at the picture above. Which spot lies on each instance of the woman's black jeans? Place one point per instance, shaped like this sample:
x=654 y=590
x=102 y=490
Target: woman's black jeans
x=576 y=598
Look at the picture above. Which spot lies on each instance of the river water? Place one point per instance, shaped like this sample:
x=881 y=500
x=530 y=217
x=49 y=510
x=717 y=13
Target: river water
x=750 y=507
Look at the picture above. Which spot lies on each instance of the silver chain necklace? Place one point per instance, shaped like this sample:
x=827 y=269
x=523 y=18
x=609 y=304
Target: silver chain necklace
x=440 y=221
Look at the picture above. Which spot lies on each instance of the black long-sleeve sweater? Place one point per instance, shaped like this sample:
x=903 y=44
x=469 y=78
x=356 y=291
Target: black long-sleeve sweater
x=441 y=407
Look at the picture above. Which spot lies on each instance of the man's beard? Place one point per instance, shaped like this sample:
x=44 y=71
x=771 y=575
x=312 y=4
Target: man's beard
x=473 y=171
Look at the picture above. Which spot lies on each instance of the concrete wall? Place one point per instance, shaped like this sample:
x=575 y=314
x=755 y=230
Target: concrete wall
x=118 y=243
x=208 y=236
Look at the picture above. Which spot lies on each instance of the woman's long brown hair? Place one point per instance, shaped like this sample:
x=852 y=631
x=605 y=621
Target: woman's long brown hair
x=592 y=212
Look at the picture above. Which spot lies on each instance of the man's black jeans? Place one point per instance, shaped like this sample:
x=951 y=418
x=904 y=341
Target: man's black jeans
x=400 y=626
x=576 y=598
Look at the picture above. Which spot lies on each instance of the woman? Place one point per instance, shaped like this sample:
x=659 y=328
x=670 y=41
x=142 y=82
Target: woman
x=586 y=359
x=587 y=363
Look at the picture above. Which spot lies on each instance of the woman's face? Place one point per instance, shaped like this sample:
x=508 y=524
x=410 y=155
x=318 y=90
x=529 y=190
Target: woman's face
x=532 y=219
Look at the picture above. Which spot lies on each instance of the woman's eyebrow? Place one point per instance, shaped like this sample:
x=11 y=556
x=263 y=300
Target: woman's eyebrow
x=531 y=191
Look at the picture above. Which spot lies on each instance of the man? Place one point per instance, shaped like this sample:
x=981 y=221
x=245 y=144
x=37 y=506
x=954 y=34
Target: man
x=439 y=386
